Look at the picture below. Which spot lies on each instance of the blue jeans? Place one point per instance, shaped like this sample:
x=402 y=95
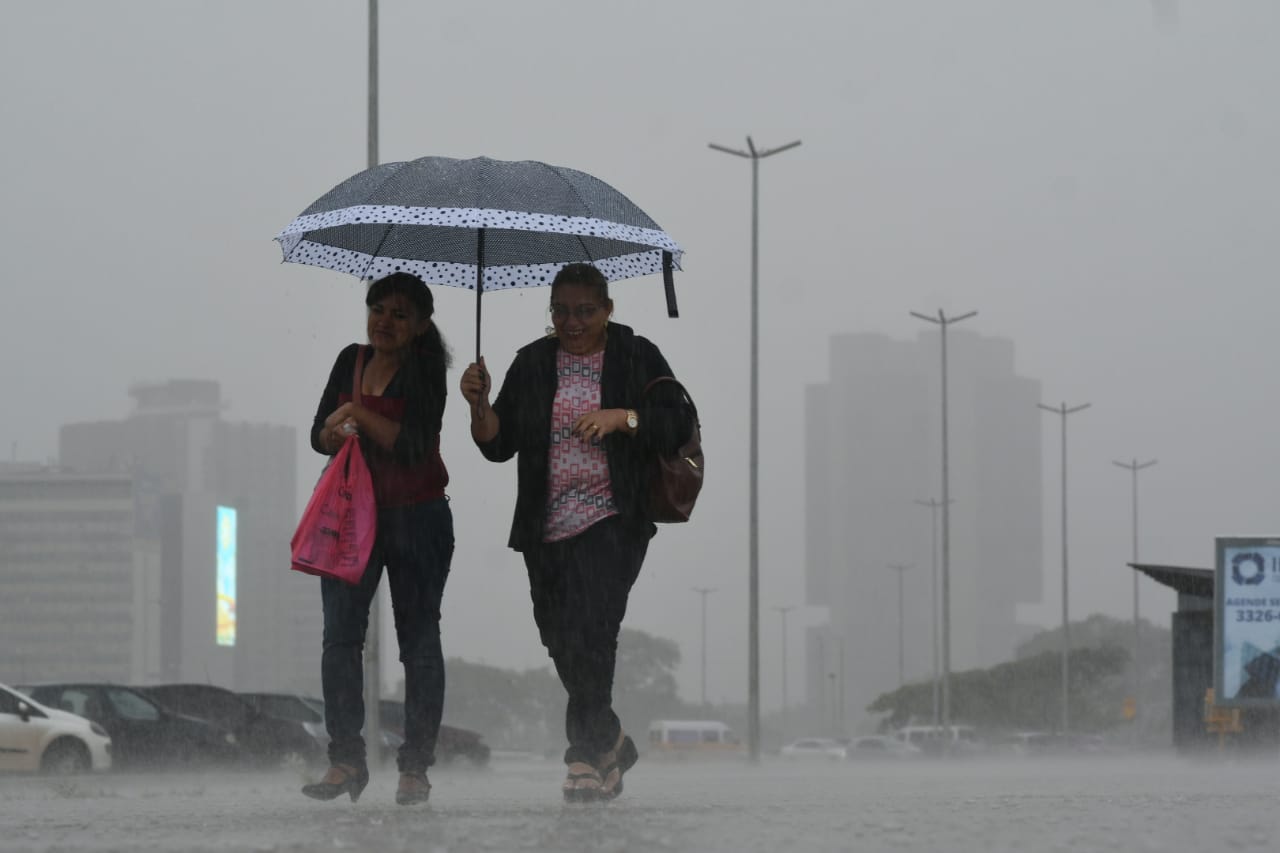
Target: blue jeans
x=415 y=543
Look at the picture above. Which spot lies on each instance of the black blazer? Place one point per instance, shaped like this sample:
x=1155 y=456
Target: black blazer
x=523 y=406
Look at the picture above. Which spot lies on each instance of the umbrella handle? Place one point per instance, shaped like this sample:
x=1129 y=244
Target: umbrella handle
x=479 y=291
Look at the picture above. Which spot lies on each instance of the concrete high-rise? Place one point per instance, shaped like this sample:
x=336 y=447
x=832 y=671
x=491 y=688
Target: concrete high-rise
x=873 y=447
x=211 y=506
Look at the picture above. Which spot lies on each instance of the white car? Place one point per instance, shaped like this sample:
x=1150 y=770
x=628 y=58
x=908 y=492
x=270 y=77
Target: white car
x=814 y=747
x=881 y=746
x=33 y=737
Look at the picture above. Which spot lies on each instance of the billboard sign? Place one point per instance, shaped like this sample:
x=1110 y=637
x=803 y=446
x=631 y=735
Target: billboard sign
x=1246 y=661
x=226 y=576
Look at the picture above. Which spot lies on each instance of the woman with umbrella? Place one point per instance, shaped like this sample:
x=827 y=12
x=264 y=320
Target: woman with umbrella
x=575 y=407
x=396 y=408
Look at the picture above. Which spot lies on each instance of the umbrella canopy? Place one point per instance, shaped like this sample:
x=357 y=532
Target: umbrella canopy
x=482 y=224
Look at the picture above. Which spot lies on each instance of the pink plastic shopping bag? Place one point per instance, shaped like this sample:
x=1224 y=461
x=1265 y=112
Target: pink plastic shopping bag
x=335 y=537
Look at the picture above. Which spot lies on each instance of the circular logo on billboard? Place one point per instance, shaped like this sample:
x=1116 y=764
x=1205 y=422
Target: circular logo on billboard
x=1248 y=569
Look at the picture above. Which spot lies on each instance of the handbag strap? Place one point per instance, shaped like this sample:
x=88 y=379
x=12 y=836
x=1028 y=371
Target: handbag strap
x=359 y=376
x=685 y=391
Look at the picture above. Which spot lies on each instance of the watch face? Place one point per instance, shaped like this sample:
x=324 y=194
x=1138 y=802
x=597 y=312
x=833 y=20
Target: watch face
x=632 y=423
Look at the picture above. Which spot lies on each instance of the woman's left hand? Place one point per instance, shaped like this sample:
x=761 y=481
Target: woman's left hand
x=600 y=423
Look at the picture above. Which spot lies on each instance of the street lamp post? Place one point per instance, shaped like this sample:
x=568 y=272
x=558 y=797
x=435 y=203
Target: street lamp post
x=704 y=591
x=942 y=321
x=373 y=630
x=1134 y=467
x=753 y=605
x=934 y=506
x=901 y=569
x=1062 y=411
x=782 y=611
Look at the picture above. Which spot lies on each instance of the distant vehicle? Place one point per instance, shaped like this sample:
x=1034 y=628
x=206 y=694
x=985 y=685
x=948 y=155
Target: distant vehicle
x=692 y=736
x=955 y=739
x=814 y=747
x=309 y=711
x=452 y=742
x=1049 y=743
x=143 y=733
x=265 y=741
x=880 y=746
x=33 y=737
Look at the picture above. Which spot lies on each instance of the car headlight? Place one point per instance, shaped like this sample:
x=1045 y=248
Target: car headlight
x=98 y=730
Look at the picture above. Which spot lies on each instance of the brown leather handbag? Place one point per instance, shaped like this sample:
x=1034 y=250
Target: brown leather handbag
x=675 y=479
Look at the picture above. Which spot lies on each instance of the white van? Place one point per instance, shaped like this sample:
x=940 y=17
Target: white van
x=934 y=739
x=698 y=736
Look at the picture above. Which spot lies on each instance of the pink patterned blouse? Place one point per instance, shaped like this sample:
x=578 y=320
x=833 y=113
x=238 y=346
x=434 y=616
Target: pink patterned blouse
x=578 y=490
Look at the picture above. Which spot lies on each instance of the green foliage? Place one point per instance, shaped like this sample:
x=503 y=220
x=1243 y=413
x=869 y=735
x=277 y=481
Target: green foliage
x=525 y=710
x=1022 y=694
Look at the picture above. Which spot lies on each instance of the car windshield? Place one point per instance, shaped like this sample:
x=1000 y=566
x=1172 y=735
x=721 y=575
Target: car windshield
x=131 y=706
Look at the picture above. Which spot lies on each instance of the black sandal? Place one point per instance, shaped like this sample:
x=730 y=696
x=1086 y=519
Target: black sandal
x=614 y=763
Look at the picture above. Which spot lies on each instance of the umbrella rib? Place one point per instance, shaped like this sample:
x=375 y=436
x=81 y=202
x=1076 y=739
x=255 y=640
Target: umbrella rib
x=585 y=251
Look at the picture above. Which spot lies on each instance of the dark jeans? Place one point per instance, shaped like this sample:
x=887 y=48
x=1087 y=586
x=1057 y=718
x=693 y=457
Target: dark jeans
x=579 y=588
x=415 y=543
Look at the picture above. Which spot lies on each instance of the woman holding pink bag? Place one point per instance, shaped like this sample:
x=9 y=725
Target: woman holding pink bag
x=396 y=413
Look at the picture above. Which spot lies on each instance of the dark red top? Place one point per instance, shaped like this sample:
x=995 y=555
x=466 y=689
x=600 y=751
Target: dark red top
x=412 y=471
x=395 y=484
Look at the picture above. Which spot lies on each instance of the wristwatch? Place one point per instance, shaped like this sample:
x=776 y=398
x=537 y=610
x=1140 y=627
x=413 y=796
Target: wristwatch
x=632 y=421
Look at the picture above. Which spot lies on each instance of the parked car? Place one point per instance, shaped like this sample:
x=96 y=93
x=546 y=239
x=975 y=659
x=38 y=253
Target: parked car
x=1037 y=744
x=814 y=747
x=143 y=733
x=939 y=740
x=309 y=711
x=880 y=746
x=265 y=741
x=33 y=737
x=451 y=744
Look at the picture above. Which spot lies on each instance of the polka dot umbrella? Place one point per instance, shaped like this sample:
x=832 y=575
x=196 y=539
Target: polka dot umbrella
x=481 y=224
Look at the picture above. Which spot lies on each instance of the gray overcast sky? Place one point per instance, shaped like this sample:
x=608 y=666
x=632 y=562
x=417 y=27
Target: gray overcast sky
x=1096 y=179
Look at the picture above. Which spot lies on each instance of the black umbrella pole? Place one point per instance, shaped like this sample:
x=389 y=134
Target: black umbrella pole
x=479 y=293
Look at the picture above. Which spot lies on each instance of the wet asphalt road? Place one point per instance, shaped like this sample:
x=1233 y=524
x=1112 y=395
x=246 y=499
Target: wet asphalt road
x=1150 y=803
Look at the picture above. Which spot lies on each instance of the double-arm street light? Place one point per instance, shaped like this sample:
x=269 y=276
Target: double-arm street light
x=942 y=321
x=755 y=155
x=1062 y=411
x=704 y=591
x=901 y=569
x=1133 y=467
x=782 y=610
x=934 y=506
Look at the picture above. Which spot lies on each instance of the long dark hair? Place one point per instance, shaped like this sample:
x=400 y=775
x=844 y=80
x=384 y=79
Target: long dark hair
x=423 y=371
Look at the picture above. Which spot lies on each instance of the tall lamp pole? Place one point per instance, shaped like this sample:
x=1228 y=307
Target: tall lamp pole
x=704 y=591
x=1062 y=411
x=942 y=321
x=755 y=155
x=373 y=631
x=901 y=570
x=1133 y=467
x=934 y=506
x=782 y=611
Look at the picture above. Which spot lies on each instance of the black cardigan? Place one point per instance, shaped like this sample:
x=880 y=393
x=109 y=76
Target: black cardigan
x=424 y=385
x=523 y=406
